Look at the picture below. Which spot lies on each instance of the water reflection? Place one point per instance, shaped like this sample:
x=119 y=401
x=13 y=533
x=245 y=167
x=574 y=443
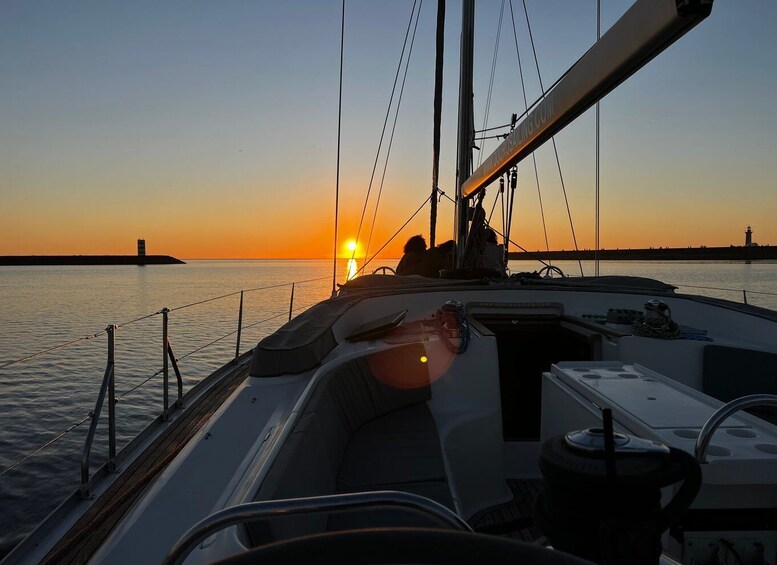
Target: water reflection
x=351 y=269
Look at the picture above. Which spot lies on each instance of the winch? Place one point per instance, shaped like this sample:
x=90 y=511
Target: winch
x=602 y=494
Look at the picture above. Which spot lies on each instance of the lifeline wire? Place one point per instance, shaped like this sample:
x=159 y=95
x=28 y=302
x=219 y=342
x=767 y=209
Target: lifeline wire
x=50 y=349
x=157 y=373
x=123 y=324
x=45 y=445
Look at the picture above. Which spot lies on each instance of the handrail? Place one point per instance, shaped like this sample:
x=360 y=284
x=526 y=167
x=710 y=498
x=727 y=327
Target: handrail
x=714 y=421
x=241 y=513
x=107 y=385
x=167 y=354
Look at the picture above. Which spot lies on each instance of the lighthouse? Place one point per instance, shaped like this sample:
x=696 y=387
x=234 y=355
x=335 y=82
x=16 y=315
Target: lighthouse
x=142 y=251
x=749 y=237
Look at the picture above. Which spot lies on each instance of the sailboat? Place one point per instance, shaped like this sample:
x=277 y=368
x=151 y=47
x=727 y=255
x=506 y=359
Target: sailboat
x=413 y=419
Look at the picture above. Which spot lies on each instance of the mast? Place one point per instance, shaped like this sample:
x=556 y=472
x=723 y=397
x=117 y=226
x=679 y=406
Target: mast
x=465 y=131
x=440 y=48
x=644 y=31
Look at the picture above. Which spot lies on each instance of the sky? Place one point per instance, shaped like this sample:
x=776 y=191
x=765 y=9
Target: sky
x=210 y=128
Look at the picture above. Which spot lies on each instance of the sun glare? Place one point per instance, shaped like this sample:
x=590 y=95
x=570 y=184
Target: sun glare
x=351 y=245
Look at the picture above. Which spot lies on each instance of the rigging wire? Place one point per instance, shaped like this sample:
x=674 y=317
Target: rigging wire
x=553 y=138
x=533 y=255
x=596 y=245
x=339 y=131
x=393 y=129
x=493 y=207
x=383 y=131
x=491 y=80
x=526 y=108
x=396 y=233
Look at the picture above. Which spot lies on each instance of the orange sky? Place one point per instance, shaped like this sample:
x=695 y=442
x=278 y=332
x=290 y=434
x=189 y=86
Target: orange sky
x=114 y=130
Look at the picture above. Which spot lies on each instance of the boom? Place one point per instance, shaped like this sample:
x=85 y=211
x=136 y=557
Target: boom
x=644 y=31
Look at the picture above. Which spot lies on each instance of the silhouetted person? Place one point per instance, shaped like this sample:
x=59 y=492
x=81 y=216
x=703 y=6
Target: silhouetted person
x=493 y=254
x=441 y=257
x=418 y=260
x=414 y=261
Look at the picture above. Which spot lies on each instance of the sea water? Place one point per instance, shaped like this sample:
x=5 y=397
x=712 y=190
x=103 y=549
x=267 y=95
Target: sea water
x=43 y=307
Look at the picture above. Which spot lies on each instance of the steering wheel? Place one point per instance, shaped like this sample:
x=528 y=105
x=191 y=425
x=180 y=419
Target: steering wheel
x=404 y=545
x=383 y=270
x=547 y=270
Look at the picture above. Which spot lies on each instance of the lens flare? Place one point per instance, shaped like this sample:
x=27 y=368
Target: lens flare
x=410 y=366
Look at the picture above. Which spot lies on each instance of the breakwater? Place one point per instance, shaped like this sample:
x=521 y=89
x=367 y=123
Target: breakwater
x=26 y=260
x=755 y=253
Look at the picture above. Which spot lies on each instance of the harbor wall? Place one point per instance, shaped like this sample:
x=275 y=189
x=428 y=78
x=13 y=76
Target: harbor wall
x=754 y=253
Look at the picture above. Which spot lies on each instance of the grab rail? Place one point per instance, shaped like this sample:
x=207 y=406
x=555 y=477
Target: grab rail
x=714 y=421
x=386 y=499
x=107 y=385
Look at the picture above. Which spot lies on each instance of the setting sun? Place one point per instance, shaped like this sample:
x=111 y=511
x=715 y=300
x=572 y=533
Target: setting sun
x=351 y=245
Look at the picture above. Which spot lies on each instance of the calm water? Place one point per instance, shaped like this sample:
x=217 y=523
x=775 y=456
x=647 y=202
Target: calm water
x=42 y=307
